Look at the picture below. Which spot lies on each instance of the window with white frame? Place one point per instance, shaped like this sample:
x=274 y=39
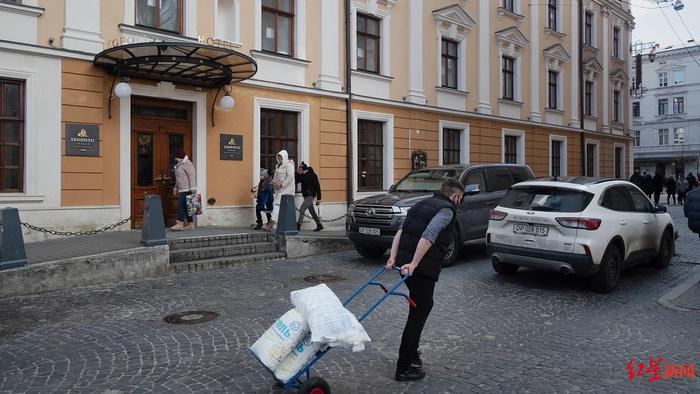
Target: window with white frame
x=616 y=106
x=453 y=143
x=663 y=79
x=678 y=77
x=511 y=46
x=588 y=103
x=618 y=161
x=160 y=14
x=591 y=159
x=553 y=15
x=616 y=43
x=508 y=77
x=452 y=27
x=509 y=5
x=373 y=151
x=678 y=105
x=679 y=135
x=663 y=106
x=228 y=20
x=588 y=29
x=636 y=109
x=637 y=137
x=663 y=136
x=278 y=26
x=368 y=43
x=557 y=156
x=553 y=89
x=450 y=63
x=513 y=149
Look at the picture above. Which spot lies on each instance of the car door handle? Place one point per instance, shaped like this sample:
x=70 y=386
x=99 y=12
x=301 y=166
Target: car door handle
x=645 y=221
x=623 y=223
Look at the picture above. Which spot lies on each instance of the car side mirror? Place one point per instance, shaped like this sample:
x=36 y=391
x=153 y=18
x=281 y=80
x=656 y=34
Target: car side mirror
x=471 y=189
x=660 y=209
x=392 y=188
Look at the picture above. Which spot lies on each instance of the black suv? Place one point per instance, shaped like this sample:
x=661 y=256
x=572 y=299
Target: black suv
x=373 y=221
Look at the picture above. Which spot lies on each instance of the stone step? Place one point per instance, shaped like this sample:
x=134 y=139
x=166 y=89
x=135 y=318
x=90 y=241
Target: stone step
x=212 y=252
x=219 y=240
x=223 y=262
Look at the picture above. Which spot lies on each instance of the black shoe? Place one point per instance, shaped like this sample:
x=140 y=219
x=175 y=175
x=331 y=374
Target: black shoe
x=257 y=226
x=416 y=361
x=319 y=227
x=298 y=227
x=412 y=373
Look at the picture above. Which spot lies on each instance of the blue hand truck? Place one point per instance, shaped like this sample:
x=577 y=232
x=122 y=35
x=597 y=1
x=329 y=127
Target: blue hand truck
x=303 y=381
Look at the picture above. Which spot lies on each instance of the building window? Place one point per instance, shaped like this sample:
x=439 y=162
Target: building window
x=679 y=135
x=553 y=89
x=678 y=77
x=591 y=150
x=511 y=149
x=508 y=5
x=663 y=136
x=616 y=106
x=636 y=112
x=637 y=137
x=451 y=149
x=278 y=130
x=11 y=136
x=368 y=42
x=616 y=42
x=278 y=26
x=552 y=14
x=588 y=29
x=160 y=14
x=663 y=79
x=618 y=162
x=678 y=105
x=663 y=106
x=508 y=78
x=449 y=63
x=588 y=104
x=370 y=160
x=556 y=158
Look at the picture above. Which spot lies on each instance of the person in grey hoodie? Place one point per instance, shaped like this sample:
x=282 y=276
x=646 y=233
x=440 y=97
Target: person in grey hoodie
x=185 y=184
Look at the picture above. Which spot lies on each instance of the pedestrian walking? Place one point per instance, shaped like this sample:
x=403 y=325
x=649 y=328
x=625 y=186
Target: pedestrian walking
x=185 y=185
x=681 y=188
x=264 y=199
x=659 y=181
x=692 y=181
x=648 y=184
x=418 y=249
x=637 y=179
x=283 y=183
x=692 y=210
x=670 y=190
x=310 y=190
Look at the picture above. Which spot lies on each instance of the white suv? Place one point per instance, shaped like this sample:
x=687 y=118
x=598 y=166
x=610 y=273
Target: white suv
x=587 y=226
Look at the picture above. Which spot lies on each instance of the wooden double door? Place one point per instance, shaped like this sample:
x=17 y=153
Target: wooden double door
x=159 y=129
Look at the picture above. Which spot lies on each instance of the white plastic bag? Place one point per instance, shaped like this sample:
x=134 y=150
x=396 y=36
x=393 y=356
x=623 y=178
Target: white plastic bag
x=295 y=361
x=328 y=320
x=279 y=340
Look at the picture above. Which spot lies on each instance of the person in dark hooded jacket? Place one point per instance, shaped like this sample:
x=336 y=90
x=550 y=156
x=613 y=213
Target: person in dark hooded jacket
x=659 y=181
x=692 y=210
x=310 y=189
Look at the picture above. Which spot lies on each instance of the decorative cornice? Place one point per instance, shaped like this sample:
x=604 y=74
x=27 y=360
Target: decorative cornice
x=512 y=40
x=454 y=15
x=21 y=9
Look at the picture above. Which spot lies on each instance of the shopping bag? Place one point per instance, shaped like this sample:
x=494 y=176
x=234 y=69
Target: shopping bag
x=279 y=340
x=194 y=204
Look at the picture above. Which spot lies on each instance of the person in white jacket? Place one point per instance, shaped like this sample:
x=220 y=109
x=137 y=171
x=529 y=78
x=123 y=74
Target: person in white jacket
x=283 y=183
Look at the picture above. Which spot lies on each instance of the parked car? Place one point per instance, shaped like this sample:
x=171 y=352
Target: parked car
x=586 y=226
x=373 y=222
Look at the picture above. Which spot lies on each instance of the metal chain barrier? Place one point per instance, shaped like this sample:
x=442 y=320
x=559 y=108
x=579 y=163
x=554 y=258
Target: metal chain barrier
x=76 y=233
x=343 y=216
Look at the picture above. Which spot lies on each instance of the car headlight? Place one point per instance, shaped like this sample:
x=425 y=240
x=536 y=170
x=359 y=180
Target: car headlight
x=404 y=210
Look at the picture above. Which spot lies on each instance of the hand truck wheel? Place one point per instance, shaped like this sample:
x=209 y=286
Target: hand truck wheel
x=315 y=385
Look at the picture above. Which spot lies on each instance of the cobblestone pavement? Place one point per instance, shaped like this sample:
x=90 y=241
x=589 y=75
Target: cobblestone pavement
x=534 y=332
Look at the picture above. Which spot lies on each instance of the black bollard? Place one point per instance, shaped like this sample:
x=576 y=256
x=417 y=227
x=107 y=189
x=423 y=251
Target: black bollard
x=12 y=254
x=153 y=232
x=287 y=221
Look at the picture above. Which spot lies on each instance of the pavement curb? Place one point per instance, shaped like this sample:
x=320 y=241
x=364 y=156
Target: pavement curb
x=667 y=299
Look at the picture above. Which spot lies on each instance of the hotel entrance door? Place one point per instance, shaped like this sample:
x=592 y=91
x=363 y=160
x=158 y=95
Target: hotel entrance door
x=158 y=130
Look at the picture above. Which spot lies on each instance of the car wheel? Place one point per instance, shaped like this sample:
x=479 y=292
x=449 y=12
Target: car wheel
x=504 y=268
x=665 y=251
x=452 y=252
x=609 y=271
x=370 y=252
x=315 y=385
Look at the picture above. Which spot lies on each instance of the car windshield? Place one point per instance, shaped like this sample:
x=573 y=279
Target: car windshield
x=546 y=199
x=425 y=180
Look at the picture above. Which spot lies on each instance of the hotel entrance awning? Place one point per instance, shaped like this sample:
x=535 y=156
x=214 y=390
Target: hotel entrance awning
x=178 y=62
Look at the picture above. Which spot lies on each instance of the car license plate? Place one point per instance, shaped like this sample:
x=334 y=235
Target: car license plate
x=369 y=230
x=538 y=231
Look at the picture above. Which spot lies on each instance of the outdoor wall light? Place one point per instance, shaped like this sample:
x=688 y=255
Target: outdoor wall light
x=122 y=90
x=227 y=102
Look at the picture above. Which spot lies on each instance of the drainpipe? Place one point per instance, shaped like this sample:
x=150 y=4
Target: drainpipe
x=581 y=86
x=348 y=104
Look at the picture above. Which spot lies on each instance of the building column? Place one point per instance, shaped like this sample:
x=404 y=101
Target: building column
x=605 y=99
x=415 y=53
x=82 y=29
x=575 y=118
x=330 y=27
x=535 y=71
x=484 y=66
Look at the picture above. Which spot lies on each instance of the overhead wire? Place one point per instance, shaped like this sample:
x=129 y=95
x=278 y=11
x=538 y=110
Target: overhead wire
x=678 y=36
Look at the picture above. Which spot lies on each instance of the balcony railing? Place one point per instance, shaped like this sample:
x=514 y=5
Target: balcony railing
x=671 y=151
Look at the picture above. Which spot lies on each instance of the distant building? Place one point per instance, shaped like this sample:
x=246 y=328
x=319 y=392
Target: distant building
x=667 y=118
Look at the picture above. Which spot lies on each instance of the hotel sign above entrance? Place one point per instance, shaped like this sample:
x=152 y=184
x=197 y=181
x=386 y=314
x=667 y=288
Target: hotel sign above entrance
x=205 y=40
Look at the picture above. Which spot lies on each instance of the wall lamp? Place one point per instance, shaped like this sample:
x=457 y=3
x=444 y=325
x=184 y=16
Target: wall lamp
x=122 y=90
x=226 y=103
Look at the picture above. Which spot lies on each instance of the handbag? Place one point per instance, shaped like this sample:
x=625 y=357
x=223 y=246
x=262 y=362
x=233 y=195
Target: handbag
x=194 y=204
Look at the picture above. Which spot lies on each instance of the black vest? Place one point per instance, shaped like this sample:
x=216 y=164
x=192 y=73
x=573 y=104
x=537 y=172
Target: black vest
x=415 y=224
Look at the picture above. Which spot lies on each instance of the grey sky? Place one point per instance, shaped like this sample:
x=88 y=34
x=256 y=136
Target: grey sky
x=652 y=26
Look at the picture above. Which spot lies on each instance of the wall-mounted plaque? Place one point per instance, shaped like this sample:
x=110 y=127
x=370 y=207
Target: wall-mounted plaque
x=419 y=159
x=231 y=146
x=82 y=139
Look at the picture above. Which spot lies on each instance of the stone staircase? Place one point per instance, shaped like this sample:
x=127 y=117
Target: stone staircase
x=214 y=252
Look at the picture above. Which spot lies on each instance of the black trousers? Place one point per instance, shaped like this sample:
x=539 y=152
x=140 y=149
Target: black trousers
x=259 y=216
x=668 y=198
x=681 y=198
x=420 y=289
x=657 y=196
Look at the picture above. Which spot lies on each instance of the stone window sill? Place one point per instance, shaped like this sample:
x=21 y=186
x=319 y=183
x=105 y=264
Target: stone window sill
x=554 y=33
x=511 y=102
x=378 y=77
x=21 y=9
x=14 y=198
x=278 y=57
x=504 y=12
x=451 y=90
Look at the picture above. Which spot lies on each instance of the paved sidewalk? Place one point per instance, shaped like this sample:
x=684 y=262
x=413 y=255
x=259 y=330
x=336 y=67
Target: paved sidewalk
x=687 y=248
x=65 y=248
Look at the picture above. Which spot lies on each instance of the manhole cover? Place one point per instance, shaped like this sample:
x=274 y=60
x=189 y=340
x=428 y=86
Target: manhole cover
x=323 y=278
x=191 y=317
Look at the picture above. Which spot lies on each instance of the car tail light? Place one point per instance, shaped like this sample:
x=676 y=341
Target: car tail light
x=497 y=215
x=582 y=223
